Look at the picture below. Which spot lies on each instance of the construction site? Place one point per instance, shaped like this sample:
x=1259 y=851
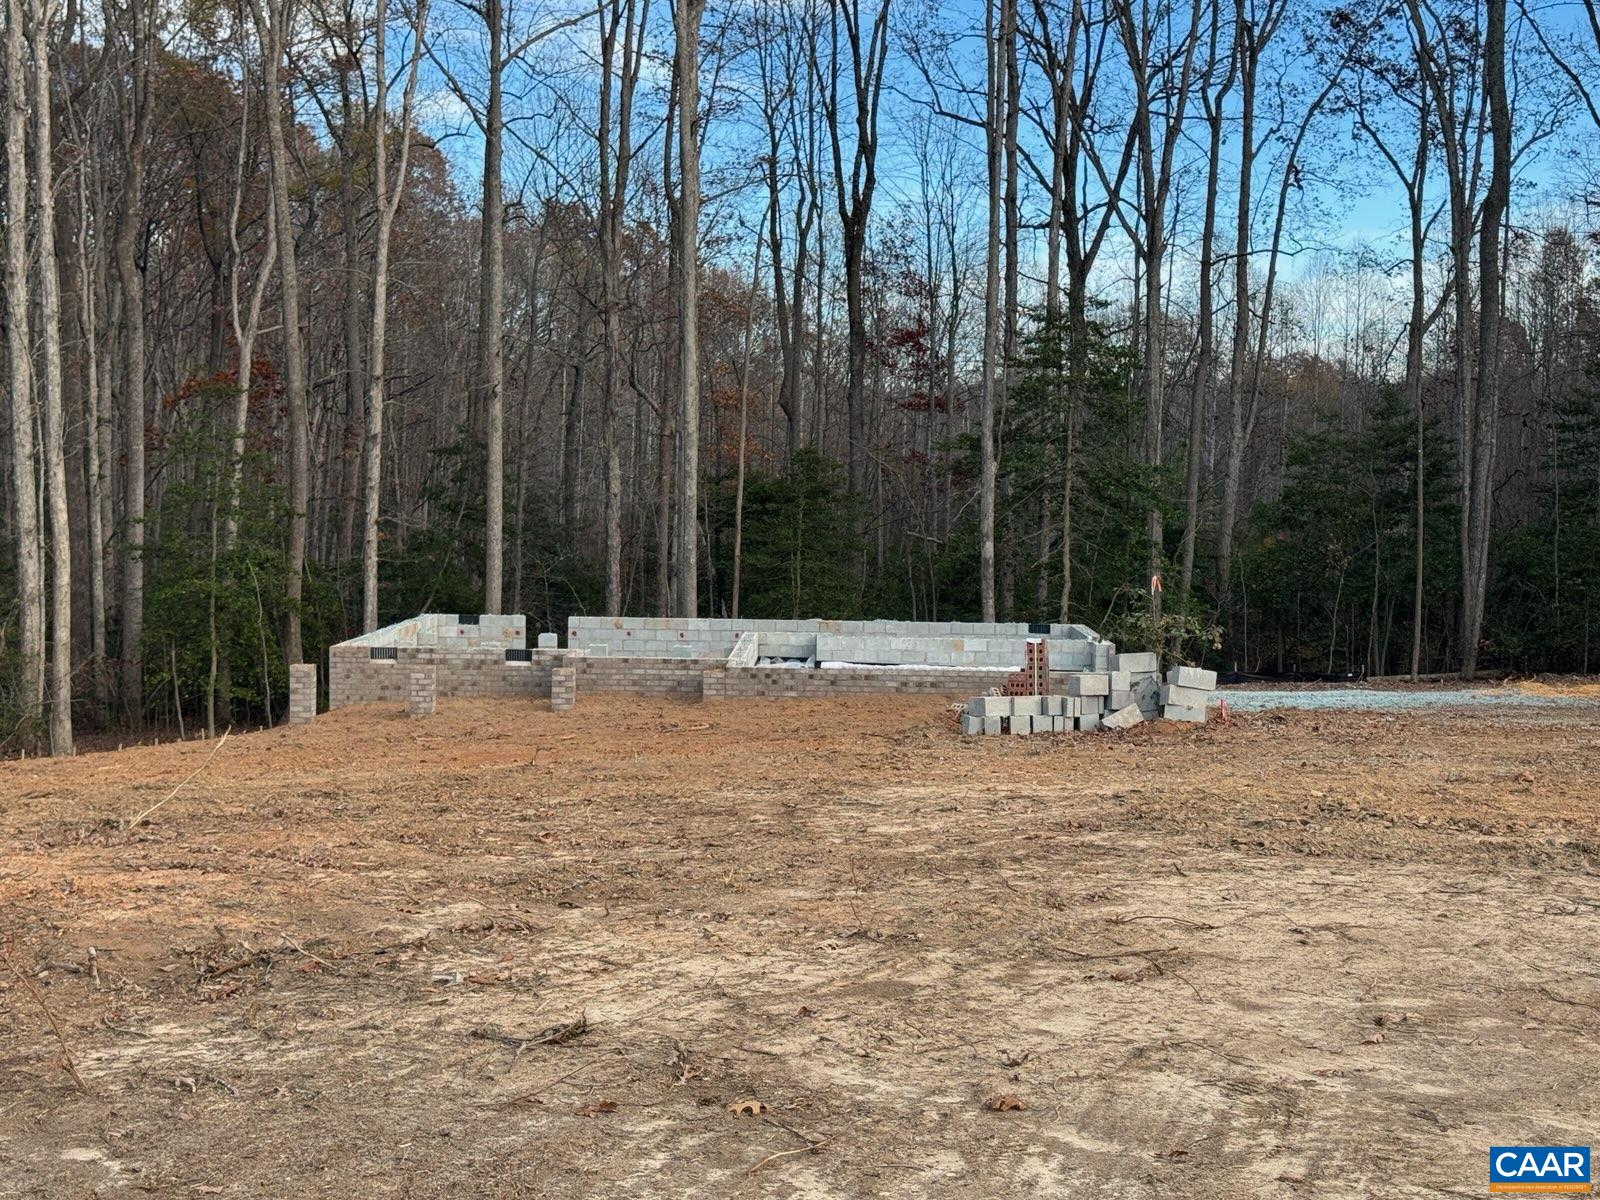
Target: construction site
x=717 y=918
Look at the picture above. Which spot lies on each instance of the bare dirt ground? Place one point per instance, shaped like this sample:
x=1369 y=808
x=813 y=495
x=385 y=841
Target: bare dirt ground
x=1293 y=955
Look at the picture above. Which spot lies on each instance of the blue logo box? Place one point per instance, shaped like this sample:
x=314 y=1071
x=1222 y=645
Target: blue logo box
x=1539 y=1170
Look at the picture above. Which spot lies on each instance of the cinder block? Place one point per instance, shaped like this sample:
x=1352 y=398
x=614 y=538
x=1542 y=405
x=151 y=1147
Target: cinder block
x=1025 y=706
x=992 y=725
x=302 y=693
x=1121 y=681
x=1088 y=683
x=1145 y=661
x=1119 y=700
x=1192 y=677
x=1088 y=723
x=563 y=688
x=1124 y=718
x=1021 y=726
x=1179 y=712
x=1184 y=697
x=989 y=706
x=422 y=697
x=971 y=724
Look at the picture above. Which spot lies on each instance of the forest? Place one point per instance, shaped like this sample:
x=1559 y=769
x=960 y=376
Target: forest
x=1260 y=331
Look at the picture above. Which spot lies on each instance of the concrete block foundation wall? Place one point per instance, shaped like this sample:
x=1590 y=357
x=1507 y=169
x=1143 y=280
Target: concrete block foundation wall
x=890 y=643
x=749 y=683
x=370 y=669
x=355 y=677
x=451 y=631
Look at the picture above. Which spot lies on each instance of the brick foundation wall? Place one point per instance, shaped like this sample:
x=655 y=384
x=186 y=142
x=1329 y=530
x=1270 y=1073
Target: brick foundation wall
x=674 y=678
x=741 y=683
x=355 y=677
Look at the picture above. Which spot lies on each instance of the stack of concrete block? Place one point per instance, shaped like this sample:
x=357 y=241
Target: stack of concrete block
x=563 y=688
x=423 y=692
x=302 y=693
x=1119 y=692
x=1186 y=693
x=1136 y=680
x=1024 y=715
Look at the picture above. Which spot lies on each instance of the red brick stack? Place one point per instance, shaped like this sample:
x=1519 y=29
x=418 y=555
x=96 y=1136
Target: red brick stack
x=1034 y=678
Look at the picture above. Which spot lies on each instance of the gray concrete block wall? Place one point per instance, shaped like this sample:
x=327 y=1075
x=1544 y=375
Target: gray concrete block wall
x=302 y=693
x=715 y=637
x=507 y=631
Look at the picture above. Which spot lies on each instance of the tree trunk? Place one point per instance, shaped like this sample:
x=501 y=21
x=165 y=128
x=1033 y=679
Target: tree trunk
x=136 y=136
x=1496 y=202
x=993 y=138
x=615 y=161
x=686 y=68
x=272 y=30
x=492 y=281
x=30 y=572
x=386 y=198
x=1206 y=362
x=55 y=463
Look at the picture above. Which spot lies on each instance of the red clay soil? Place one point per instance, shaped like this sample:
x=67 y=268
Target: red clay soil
x=801 y=949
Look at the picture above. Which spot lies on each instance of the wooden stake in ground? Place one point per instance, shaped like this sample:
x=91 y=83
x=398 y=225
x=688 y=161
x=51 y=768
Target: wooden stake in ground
x=33 y=990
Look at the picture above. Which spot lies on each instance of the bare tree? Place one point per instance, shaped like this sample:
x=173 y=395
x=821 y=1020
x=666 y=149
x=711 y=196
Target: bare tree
x=135 y=115
x=1213 y=100
x=272 y=21
x=1256 y=23
x=1160 y=50
x=867 y=47
x=386 y=197
x=997 y=13
x=1399 y=80
x=491 y=308
x=1485 y=426
x=41 y=14
x=625 y=19
x=686 y=237
x=30 y=574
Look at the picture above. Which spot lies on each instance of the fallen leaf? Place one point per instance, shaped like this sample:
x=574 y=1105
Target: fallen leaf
x=1008 y=1059
x=747 y=1108
x=1006 y=1102
x=598 y=1107
x=1372 y=1039
x=1175 y=1152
